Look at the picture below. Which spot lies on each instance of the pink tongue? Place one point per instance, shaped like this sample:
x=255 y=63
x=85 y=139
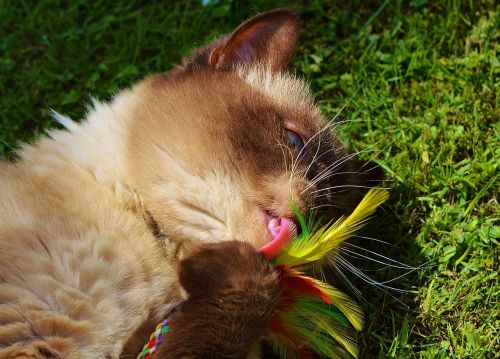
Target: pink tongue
x=282 y=230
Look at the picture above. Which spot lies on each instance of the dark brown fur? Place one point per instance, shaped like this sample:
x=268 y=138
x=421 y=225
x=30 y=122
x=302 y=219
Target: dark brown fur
x=232 y=294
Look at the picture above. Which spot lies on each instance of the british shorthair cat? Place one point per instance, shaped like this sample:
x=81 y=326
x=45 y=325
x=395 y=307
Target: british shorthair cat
x=94 y=219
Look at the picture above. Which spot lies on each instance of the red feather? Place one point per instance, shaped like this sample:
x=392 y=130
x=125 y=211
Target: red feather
x=293 y=281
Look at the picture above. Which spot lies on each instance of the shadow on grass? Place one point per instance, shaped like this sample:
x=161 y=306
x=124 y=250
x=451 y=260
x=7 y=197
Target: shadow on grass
x=390 y=306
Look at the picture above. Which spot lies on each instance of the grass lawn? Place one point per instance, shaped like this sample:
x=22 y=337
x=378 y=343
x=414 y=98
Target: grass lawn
x=420 y=81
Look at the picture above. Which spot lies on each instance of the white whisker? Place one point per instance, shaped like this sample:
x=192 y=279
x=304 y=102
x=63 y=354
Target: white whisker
x=343 y=262
x=318 y=133
x=346 y=186
x=344 y=277
x=314 y=157
x=375 y=240
x=335 y=165
x=326 y=205
x=400 y=265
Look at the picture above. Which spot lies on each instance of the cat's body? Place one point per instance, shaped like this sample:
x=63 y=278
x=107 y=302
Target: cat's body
x=94 y=219
x=80 y=268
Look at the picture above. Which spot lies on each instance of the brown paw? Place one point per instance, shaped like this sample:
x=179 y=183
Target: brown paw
x=218 y=267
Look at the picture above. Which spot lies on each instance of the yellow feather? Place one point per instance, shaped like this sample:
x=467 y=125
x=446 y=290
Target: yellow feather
x=344 y=303
x=303 y=252
x=339 y=333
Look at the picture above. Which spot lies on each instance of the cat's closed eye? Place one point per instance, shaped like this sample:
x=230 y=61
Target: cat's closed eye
x=295 y=141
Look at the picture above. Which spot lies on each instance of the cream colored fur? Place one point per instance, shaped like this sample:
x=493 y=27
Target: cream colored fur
x=286 y=90
x=80 y=269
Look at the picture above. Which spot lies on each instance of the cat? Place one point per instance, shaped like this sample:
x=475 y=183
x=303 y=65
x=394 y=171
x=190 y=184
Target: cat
x=94 y=219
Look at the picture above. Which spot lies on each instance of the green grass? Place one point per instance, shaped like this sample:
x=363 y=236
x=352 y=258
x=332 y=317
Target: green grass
x=421 y=83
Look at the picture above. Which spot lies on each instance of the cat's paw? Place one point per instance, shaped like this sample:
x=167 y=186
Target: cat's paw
x=227 y=266
x=233 y=291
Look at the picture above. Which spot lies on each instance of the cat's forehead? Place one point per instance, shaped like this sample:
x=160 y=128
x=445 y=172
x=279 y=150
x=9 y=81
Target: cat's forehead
x=287 y=91
x=252 y=89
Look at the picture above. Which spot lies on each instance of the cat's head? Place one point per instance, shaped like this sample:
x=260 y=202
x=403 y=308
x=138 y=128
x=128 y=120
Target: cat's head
x=223 y=145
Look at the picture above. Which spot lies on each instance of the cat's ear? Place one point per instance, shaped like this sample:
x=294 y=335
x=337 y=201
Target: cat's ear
x=268 y=38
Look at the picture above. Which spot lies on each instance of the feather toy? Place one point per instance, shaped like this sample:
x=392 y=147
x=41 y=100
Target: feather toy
x=312 y=317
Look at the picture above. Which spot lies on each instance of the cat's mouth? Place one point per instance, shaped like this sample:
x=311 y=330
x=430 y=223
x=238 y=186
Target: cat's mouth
x=281 y=230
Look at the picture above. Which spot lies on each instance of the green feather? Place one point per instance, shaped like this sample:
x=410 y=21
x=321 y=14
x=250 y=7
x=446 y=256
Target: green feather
x=303 y=224
x=321 y=327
